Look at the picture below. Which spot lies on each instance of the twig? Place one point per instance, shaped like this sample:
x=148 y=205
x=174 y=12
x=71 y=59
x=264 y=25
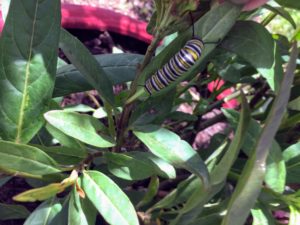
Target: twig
x=88 y=160
x=205 y=124
x=94 y=100
x=123 y=122
x=258 y=96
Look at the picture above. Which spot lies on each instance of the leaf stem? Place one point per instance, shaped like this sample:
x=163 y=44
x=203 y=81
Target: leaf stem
x=111 y=122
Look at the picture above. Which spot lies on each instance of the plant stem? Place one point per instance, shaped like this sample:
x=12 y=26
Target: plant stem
x=88 y=160
x=268 y=19
x=123 y=122
x=111 y=125
x=148 y=56
x=93 y=99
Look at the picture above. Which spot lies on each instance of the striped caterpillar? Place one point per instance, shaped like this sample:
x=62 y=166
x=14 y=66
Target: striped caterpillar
x=178 y=64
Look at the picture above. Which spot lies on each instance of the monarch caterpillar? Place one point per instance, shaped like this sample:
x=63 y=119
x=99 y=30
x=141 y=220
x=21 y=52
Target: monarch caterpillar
x=178 y=64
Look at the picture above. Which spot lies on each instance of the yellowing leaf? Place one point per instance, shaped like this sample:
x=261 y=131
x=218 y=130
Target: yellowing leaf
x=43 y=193
x=40 y=194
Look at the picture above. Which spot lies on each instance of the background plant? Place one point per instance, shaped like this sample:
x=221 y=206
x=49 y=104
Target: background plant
x=136 y=164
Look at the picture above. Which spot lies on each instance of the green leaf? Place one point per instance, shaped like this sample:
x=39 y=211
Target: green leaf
x=62 y=216
x=213 y=26
x=64 y=139
x=168 y=146
x=289 y=3
x=295 y=104
x=40 y=194
x=83 y=60
x=294 y=215
x=262 y=215
x=119 y=68
x=291 y=156
x=180 y=194
x=109 y=199
x=64 y=155
x=81 y=211
x=212 y=219
x=197 y=199
x=82 y=127
x=25 y=160
x=137 y=165
x=28 y=58
x=11 y=212
x=153 y=110
x=128 y=167
x=276 y=173
x=250 y=183
x=153 y=188
x=45 y=213
x=254 y=43
x=283 y=13
x=276 y=170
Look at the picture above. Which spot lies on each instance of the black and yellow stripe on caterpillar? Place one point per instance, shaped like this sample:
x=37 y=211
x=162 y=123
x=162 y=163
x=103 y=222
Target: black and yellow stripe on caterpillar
x=178 y=64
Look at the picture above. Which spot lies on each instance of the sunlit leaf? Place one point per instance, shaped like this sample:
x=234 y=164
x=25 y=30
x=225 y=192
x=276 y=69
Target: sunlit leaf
x=45 y=213
x=28 y=58
x=109 y=199
x=25 y=160
x=82 y=127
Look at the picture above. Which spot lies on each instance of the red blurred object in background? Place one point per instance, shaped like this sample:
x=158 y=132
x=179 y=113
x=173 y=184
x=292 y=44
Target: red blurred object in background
x=216 y=85
x=94 y=18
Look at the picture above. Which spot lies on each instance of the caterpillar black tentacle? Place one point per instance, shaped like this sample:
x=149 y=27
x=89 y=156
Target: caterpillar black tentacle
x=178 y=64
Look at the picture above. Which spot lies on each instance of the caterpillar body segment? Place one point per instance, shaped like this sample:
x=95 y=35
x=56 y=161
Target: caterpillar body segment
x=178 y=65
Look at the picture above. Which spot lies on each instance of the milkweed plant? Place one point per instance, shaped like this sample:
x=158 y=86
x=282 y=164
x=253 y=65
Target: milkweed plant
x=140 y=162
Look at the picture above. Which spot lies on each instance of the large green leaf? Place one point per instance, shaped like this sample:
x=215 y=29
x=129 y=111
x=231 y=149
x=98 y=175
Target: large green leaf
x=119 y=68
x=291 y=156
x=63 y=139
x=25 y=160
x=197 y=199
x=168 y=146
x=80 y=126
x=109 y=199
x=45 y=213
x=127 y=167
x=10 y=212
x=262 y=215
x=138 y=165
x=250 y=182
x=85 y=62
x=254 y=43
x=276 y=170
x=28 y=58
x=64 y=155
x=81 y=211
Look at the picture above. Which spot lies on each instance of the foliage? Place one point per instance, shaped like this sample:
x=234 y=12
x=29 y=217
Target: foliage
x=132 y=160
